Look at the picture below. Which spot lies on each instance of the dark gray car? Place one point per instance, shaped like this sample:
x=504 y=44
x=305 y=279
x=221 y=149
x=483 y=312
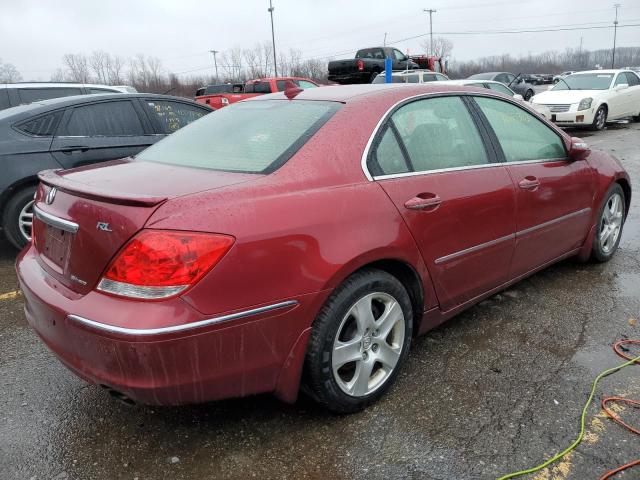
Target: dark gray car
x=514 y=82
x=73 y=131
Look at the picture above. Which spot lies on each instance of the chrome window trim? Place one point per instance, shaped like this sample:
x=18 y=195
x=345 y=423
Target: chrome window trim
x=183 y=327
x=367 y=148
x=516 y=235
x=54 y=221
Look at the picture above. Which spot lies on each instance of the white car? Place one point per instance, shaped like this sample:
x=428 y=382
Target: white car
x=592 y=98
x=559 y=77
x=412 y=76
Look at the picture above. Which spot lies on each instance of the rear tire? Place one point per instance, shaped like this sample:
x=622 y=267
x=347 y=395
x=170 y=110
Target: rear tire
x=609 y=227
x=528 y=94
x=359 y=341
x=374 y=74
x=599 y=119
x=17 y=216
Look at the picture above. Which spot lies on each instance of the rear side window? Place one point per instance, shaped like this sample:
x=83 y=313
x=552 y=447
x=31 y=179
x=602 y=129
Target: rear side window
x=429 y=77
x=387 y=158
x=173 y=116
x=522 y=136
x=439 y=133
x=413 y=79
x=43 y=126
x=251 y=137
x=304 y=84
x=633 y=79
x=28 y=95
x=258 y=87
x=108 y=119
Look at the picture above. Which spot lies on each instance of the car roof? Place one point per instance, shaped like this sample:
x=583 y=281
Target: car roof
x=43 y=106
x=57 y=85
x=349 y=93
x=609 y=71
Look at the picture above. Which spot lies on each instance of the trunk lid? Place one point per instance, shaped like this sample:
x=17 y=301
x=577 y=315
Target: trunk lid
x=95 y=210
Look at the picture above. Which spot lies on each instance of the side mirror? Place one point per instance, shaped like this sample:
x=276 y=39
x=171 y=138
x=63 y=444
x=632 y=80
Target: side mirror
x=621 y=86
x=579 y=149
x=517 y=96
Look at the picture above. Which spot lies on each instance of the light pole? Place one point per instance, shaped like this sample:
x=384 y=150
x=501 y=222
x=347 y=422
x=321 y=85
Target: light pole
x=215 y=62
x=273 y=40
x=431 y=11
x=615 y=34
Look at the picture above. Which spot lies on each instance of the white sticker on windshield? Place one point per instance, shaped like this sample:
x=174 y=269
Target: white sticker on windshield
x=604 y=76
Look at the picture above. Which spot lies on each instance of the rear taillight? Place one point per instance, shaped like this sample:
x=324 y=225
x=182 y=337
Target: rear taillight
x=360 y=64
x=224 y=101
x=162 y=263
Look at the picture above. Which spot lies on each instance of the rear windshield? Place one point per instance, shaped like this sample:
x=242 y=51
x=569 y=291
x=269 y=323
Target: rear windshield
x=248 y=137
x=482 y=76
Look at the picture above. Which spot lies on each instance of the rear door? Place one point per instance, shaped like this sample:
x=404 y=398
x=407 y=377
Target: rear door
x=433 y=158
x=101 y=131
x=553 y=194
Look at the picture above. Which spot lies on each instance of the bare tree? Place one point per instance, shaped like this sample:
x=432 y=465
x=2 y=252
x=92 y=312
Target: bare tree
x=9 y=73
x=442 y=46
x=98 y=63
x=115 y=70
x=77 y=66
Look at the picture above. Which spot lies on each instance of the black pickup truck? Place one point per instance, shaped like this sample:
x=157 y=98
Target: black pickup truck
x=367 y=64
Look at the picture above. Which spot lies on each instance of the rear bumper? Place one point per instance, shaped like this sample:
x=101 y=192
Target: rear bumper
x=167 y=353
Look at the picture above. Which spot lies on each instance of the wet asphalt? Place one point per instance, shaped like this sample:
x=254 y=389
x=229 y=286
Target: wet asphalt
x=498 y=388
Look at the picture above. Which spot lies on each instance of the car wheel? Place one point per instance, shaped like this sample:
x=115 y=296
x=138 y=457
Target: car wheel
x=18 y=217
x=374 y=74
x=599 y=119
x=528 y=94
x=359 y=341
x=609 y=226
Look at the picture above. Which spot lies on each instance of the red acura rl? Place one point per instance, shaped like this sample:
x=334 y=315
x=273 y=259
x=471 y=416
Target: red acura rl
x=305 y=238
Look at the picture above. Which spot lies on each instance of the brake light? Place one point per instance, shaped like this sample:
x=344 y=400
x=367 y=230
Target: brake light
x=162 y=263
x=360 y=64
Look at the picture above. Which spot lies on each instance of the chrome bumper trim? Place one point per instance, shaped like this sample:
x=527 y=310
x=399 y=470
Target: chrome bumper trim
x=180 y=328
x=54 y=221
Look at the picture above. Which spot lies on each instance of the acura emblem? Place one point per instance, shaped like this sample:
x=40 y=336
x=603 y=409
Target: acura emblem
x=51 y=196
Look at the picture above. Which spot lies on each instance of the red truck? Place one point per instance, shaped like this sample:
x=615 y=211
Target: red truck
x=218 y=96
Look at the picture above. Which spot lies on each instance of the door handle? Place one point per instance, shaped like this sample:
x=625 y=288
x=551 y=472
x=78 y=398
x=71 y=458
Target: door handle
x=529 y=183
x=74 y=148
x=423 y=201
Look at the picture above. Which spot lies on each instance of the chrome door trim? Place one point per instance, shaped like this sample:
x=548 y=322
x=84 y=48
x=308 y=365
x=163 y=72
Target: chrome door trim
x=518 y=234
x=54 y=221
x=439 y=170
x=475 y=248
x=183 y=327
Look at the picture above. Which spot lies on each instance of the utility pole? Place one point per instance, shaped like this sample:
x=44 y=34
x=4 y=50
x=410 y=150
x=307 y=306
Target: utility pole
x=384 y=43
x=580 y=54
x=273 y=40
x=615 y=34
x=431 y=11
x=215 y=62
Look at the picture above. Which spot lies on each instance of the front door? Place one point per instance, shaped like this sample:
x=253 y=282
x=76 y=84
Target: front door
x=431 y=159
x=553 y=195
x=99 y=132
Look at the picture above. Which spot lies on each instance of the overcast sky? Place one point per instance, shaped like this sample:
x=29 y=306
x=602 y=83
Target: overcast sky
x=35 y=34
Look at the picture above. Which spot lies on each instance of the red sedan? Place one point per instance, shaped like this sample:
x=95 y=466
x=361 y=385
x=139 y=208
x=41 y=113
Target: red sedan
x=306 y=237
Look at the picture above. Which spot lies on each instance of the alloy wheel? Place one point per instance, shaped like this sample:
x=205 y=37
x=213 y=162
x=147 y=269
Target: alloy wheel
x=600 y=118
x=611 y=223
x=25 y=220
x=368 y=344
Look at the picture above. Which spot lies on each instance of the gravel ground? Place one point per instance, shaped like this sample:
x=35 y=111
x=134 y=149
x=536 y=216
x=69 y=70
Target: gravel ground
x=496 y=389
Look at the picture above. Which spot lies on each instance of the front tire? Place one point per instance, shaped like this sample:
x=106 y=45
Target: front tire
x=359 y=341
x=609 y=227
x=599 y=119
x=18 y=217
x=528 y=94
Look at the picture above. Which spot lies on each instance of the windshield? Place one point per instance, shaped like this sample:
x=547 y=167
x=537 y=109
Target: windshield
x=585 y=81
x=248 y=137
x=483 y=76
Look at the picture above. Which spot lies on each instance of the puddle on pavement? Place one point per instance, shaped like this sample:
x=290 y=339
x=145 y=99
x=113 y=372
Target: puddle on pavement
x=627 y=284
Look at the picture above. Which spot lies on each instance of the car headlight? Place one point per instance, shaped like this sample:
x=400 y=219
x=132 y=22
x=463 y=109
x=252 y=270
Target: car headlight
x=585 y=103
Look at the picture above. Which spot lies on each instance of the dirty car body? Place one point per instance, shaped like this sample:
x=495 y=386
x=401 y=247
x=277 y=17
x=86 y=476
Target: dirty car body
x=349 y=191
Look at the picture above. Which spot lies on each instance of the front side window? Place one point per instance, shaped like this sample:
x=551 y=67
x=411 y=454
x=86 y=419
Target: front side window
x=521 y=135
x=304 y=84
x=439 y=133
x=399 y=55
x=498 y=87
x=633 y=79
x=108 y=119
x=415 y=78
x=173 y=116
x=622 y=79
x=429 y=77
x=250 y=137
